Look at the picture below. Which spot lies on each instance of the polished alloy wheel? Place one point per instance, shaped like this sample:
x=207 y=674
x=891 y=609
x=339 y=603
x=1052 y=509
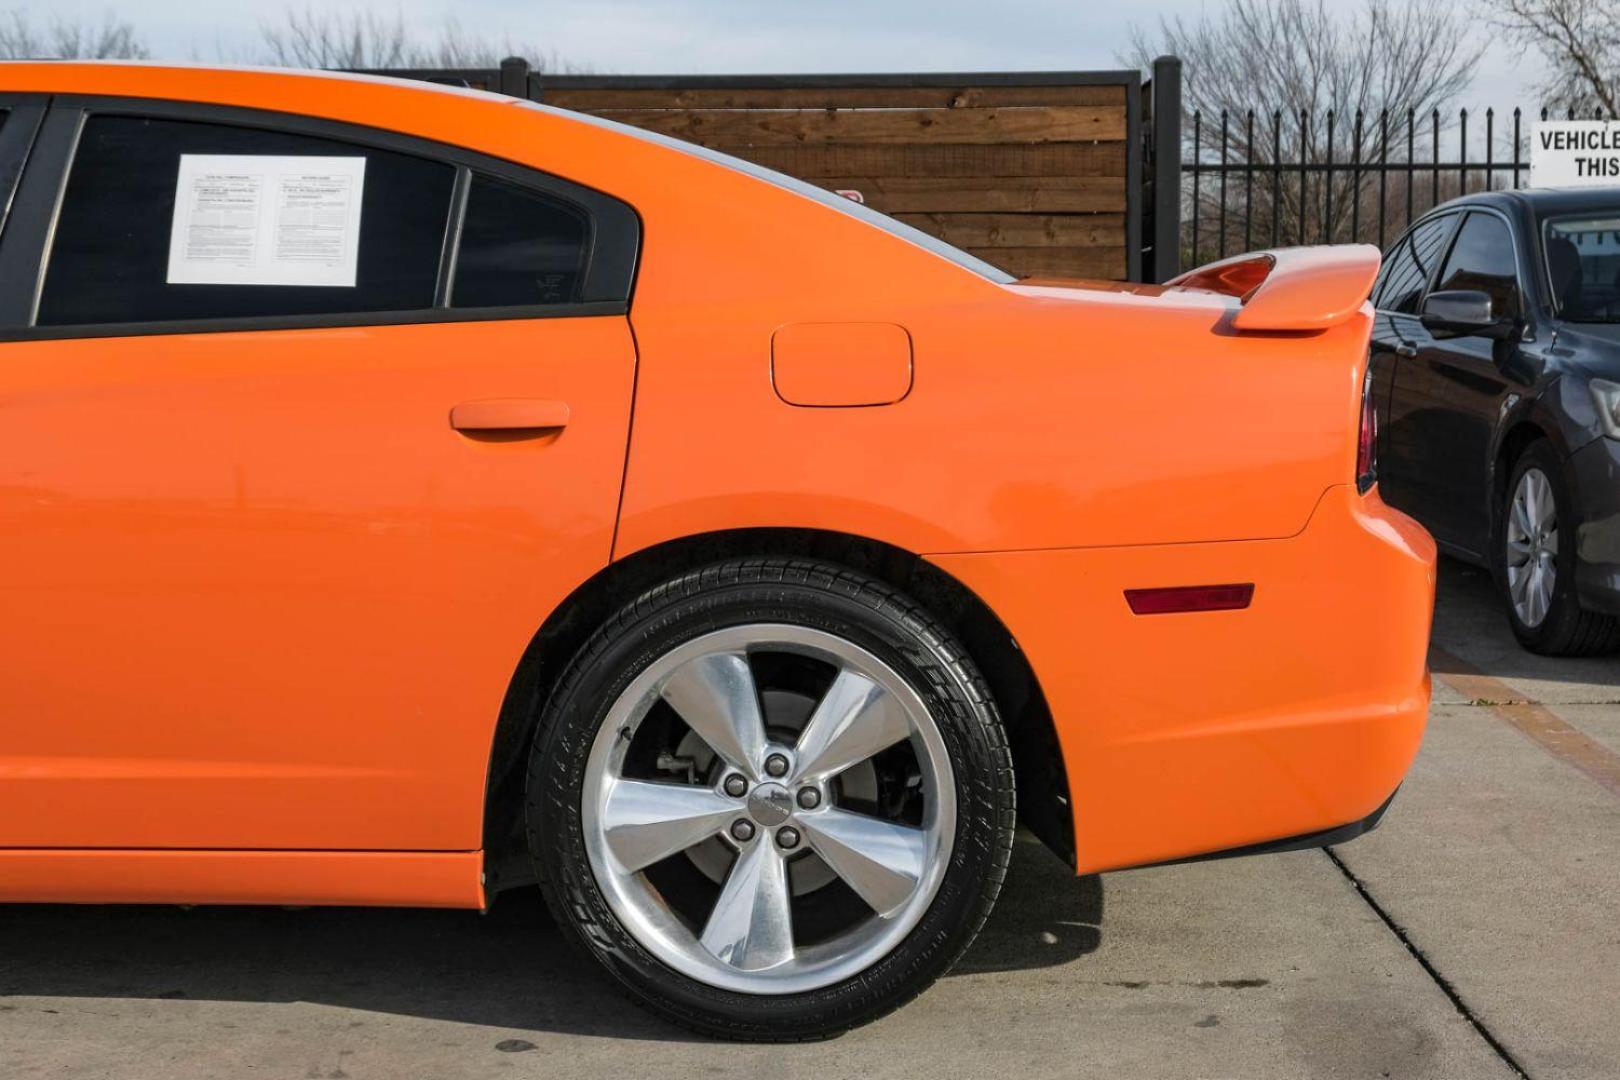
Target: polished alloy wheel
x=1532 y=548
x=768 y=808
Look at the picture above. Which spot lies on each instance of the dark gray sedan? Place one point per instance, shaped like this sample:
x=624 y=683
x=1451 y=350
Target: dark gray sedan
x=1496 y=367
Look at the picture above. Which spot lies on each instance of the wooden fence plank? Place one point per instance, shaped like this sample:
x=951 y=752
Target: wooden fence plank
x=1008 y=194
x=941 y=160
x=1022 y=230
x=836 y=97
x=1085 y=262
x=736 y=127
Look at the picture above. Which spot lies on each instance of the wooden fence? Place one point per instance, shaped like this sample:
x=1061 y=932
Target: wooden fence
x=1038 y=173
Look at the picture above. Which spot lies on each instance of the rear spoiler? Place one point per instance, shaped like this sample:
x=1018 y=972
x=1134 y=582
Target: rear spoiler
x=1304 y=288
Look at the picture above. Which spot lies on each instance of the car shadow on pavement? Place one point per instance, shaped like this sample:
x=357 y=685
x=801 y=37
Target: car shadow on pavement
x=1470 y=625
x=1045 y=917
x=510 y=968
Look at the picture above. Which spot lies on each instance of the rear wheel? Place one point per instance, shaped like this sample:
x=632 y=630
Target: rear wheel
x=772 y=798
x=1536 y=564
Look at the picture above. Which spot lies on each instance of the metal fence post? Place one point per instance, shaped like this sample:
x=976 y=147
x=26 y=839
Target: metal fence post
x=1166 y=169
x=514 y=80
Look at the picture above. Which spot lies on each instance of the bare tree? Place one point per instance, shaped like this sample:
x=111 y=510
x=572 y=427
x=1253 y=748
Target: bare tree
x=312 y=38
x=1579 y=40
x=1281 y=68
x=111 y=39
x=315 y=38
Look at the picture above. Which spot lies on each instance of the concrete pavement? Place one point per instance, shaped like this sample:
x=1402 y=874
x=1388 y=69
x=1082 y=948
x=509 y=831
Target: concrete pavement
x=1476 y=934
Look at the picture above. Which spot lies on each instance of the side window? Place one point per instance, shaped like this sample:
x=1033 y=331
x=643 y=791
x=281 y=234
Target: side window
x=360 y=230
x=1407 y=272
x=518 y=247
x=1482 y=258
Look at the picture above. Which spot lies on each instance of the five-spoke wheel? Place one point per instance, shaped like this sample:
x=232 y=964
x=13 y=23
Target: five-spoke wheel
x=772 y=798
x=767 y=780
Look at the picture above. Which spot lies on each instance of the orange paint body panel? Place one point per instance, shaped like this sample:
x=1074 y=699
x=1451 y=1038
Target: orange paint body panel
x=266 y=591
x=448 y=879
x=841 y=364
x=272 y=598
x=1202 y=732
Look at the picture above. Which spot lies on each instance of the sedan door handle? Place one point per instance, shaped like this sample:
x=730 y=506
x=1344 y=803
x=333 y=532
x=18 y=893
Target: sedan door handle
x=1406 y=349
x=510 y=414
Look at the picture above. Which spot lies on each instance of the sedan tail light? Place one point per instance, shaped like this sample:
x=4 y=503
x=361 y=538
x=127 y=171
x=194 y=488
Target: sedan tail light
x=1367 y=441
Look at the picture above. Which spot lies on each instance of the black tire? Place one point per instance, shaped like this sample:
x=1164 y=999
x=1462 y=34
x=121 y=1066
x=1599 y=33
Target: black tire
x=821 y=596
x=1568 y=629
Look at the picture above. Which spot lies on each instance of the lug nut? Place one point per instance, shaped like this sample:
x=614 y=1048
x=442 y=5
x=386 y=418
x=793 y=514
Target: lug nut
x=787 y=836
x=809 y=798
x=742 y=831
x=776 y=765
x=736 y=786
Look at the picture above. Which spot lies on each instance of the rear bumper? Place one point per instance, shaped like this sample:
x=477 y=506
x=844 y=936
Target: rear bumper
x=1322 y=838
x=1596 y=469
x=1190 y=734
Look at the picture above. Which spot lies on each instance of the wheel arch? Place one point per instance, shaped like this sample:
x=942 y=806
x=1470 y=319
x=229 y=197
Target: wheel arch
x=1516 y=439
x=1533 y=422
x=1042 y=780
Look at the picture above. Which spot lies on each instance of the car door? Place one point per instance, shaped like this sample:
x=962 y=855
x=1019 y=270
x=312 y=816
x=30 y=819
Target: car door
x=304 y=429
x=1451 y=394
x=1397 y=336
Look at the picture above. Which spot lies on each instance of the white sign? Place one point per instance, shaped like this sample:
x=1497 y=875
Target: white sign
x=1575 y=153
x=244 y=219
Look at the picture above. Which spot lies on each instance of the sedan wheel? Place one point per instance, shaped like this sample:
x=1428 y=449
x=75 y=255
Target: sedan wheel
x=773 y=799
x=771 y=791
x=1536 y=563
x=1532 y=548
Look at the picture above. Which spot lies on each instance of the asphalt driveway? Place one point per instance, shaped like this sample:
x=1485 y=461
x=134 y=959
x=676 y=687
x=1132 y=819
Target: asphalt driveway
x=1475 y=934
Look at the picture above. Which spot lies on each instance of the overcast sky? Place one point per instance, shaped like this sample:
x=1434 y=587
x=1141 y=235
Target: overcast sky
x=736 y=36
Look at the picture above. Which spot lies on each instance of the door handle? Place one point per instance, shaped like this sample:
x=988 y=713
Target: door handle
x=510 y=414
x=1406 y=349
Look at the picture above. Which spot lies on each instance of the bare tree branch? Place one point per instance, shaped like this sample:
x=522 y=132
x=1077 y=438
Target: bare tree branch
x=1305 y=55
x=1580 y=41
x=63 y=39
x=316 y=38
x=1297 y=70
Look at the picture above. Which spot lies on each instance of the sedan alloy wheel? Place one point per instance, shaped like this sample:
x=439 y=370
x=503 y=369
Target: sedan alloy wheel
x=771 y=792
x=1532 y=548
x=772 y=798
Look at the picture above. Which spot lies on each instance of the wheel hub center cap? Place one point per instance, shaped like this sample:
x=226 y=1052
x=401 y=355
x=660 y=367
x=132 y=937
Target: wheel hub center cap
x=770 y=804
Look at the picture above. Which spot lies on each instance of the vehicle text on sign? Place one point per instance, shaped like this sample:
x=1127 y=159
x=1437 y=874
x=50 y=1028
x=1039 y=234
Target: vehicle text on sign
x=1574 y=153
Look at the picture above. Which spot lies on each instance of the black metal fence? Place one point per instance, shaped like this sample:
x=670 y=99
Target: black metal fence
x=1274 y=179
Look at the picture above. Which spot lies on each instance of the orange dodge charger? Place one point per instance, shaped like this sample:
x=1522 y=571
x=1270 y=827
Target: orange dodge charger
x=407 y=493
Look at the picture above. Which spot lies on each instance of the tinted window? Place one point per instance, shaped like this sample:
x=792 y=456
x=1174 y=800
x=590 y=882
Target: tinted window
x=1583 y=264
x=517 y=247
x=1482 y=259
x=109 y=260
x=1409 y=265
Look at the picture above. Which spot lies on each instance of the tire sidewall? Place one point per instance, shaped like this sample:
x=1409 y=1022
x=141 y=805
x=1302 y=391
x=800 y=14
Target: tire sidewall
x=875 y=619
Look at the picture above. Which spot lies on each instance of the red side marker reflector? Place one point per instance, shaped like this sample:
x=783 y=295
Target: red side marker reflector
x=1189 y=598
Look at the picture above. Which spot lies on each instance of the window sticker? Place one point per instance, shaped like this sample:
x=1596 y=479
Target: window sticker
x=243 y=219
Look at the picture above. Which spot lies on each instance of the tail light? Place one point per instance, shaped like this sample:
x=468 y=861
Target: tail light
x=1367 y=441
